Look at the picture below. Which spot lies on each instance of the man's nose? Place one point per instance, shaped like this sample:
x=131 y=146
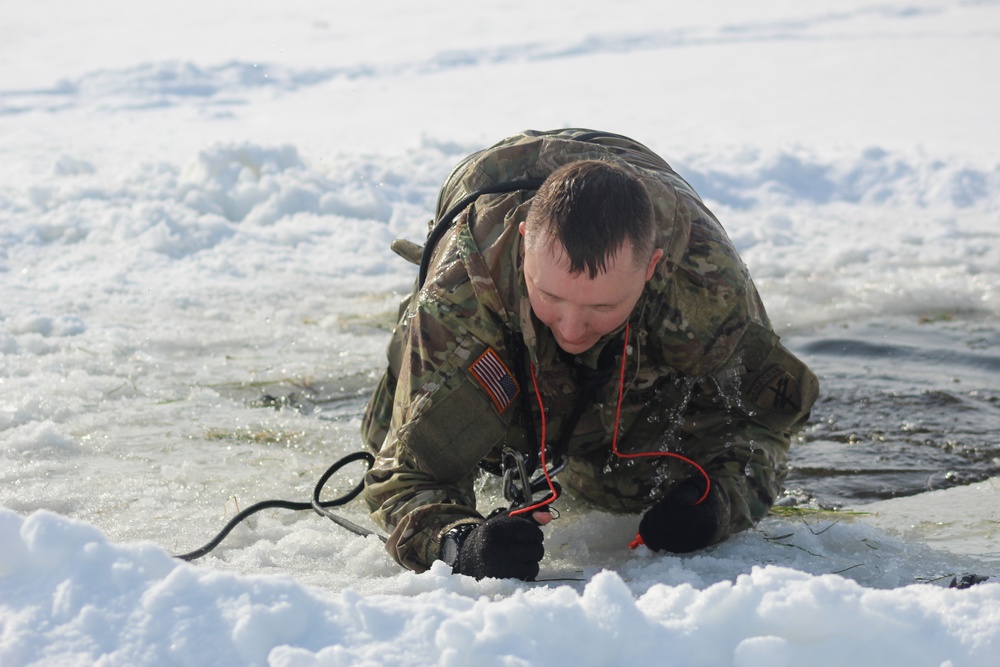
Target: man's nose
x=572 y=326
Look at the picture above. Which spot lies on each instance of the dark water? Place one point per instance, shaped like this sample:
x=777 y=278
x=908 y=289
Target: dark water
x=908 y=405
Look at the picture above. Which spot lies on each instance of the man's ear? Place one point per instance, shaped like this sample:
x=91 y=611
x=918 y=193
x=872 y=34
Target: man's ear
x=653 y=261
x=520 y=227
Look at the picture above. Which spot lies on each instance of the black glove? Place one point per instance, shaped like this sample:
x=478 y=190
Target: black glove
x=675 y=523
x=503 y=547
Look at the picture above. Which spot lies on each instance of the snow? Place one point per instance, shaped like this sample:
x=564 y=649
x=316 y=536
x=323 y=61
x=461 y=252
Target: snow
x=71 y=597
x=196 y=203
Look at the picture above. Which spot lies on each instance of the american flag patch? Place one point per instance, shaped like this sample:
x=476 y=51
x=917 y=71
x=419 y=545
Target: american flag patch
x=494 y=377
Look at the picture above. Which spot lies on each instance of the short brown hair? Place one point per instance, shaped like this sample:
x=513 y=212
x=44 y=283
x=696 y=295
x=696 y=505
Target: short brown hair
x=593 y=207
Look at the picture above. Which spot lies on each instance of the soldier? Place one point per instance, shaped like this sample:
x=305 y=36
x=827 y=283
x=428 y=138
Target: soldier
x=582 y=317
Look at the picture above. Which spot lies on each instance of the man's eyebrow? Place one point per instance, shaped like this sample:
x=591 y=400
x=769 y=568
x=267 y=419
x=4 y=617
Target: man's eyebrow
x=589 y=305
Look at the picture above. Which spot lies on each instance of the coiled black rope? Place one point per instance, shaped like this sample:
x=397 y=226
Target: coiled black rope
x=320 y=507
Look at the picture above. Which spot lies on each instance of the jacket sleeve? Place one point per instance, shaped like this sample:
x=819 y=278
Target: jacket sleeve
x=442 y=426
x=741 y=421
x=747 y=395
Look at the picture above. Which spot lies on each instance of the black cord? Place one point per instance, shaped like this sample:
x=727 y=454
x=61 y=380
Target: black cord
x=316 y=505
x=320 y=507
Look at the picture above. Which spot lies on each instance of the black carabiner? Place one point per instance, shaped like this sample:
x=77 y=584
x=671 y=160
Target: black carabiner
x=516 y=480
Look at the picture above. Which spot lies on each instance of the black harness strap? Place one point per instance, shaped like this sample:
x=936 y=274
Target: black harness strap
x=444 y=223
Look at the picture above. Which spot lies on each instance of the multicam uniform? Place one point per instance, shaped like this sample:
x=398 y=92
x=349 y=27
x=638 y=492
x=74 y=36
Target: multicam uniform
x=704 y=375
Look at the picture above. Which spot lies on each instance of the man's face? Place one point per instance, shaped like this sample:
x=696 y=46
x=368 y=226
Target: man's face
x=577 y=308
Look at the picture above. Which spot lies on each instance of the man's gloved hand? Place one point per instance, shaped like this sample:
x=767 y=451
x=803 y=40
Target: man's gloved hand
x=675 y=523
x=503 y=547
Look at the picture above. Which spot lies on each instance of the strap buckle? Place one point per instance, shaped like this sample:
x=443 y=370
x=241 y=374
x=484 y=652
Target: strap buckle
x=519 y=488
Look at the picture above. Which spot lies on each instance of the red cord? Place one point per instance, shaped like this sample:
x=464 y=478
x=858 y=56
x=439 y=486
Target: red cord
x=545 y=469
x=614 y=448
x=614 y=438
x=614 y=445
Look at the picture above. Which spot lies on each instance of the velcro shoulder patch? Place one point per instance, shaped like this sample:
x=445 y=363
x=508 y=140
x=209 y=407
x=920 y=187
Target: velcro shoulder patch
x=494 y=376
x=776 y=389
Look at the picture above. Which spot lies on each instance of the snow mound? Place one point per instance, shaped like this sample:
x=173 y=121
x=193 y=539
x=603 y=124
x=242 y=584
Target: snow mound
x=71 y=597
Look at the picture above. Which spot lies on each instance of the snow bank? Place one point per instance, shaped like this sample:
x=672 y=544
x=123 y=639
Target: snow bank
x=68 y=596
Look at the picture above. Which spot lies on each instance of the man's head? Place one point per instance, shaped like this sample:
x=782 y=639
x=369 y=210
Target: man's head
x=590 y=247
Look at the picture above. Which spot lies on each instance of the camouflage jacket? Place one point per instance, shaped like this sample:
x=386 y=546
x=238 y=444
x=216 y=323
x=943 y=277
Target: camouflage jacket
x=704 y=375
